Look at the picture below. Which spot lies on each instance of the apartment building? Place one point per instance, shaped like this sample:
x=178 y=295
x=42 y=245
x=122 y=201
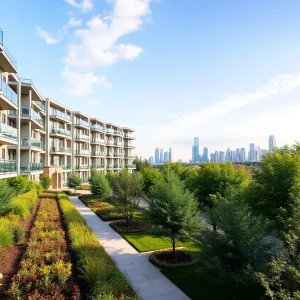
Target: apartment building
x=39 y=135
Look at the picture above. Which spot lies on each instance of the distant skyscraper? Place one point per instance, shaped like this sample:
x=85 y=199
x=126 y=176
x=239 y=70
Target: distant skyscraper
x=237 y=154
x=228 y=155
x=243 y=154
x=195 y=150
x=166 y=156
x=156 y=156
x=217 y=156
x=212 y=157
x=221 y=157
x=161 y=155
x=205 y=155
x=151 y=160
x=252 y=152
x=272 y=142
x=170 y=155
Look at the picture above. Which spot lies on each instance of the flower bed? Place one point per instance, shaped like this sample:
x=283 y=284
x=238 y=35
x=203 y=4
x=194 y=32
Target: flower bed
x=164 y=258
x=49 y=195
x=134 y=226
x=45 y=269
x=103 y=279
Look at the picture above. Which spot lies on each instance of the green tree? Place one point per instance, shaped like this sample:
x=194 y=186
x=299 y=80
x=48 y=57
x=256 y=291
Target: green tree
x=127 y=188
x=99 y=185
x=175 y=167
x=140 y=164
x=173 y=208
x=74 y=181
x=19 y=183
x=6 y=194
x=274 y=192
x=240 y=247
x=151 y=177
x=45 y=182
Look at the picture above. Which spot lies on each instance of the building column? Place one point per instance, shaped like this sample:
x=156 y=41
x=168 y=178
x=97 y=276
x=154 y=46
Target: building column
x=18 y=150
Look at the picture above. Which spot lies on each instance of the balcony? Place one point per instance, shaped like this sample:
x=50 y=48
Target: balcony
x=8 y=166
x=97 y=153
x=118 y=155
x=120 y=144
x=67 y=167
x=82 y=166
x=82 y=137
x=7 y=61
x=126 y=145
x=133 y=166
x=32 y=167
x=97 y=141
x=8 y=134
x=82 y=152
x=118 y=132
x=8 y=97
x=31 y=142
x=97 y=127
x=109 y=167
x=40 y=104
x=58 y=114
x=60 y=131
x=130 y=156
x=110 y=143
x=98 y=166
x=129 y=135
x=28 y=112
x=117 y=166
x=109 y=131
x=109 y=154
x=80 y=122
x=60 y=149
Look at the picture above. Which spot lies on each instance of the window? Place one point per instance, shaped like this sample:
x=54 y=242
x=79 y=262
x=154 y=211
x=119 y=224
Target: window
x=3 y=118
x=3 y=153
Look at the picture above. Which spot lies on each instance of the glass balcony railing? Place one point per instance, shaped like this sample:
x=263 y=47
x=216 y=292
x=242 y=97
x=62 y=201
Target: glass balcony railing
x=6 y=50
x=109 y=166
x=129 y=135
x=118 y=155
x=118 y=143
x=118 y=132
x=117 y=166
x=82 y=151
x=109 y=130
x=28 y=141
x=1 y=36
x=60 y=149
x=97 y=153
x=97 y=127
x=8 y=92
x=82 y=166
x=60 y=131
x=109 y=154
x=8 y=166
x=129 y=155
x=97 y=140
x=29 y=112
x=60 y=114
x=67 y=167
x=40 y=104
x=32 y=167
x=98 y=166
x=8 y=131
x=109 y=143
x=82 y=137
x=129 y=145
x=82 y=122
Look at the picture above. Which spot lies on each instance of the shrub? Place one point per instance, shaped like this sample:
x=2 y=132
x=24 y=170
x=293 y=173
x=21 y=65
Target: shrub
x=45 y=182
x=19 y=183
x=74 y=181
x=85 y=187
x=39 y=189
x=99 y=185
x=48 y=195
x=18 y=233
x=6 y=194
x=6 y=236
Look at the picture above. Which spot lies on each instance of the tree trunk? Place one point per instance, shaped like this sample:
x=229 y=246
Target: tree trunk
x=214 y=227
x=173 y=244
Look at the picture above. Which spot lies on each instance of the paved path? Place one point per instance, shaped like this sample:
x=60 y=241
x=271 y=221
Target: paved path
x=145 y=278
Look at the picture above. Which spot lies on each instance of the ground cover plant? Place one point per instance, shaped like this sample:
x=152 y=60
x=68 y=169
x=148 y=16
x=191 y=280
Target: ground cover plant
x=45 y=269
x=103 y=279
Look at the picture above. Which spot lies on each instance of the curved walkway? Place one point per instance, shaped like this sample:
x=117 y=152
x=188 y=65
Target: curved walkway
x=146 y=279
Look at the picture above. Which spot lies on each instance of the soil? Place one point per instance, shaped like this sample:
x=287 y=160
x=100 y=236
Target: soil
x=180 y=257
x=133 y=226
x=10 y=257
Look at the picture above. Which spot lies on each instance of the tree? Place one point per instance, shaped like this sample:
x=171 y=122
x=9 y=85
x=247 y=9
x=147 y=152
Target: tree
x=151 y=177
x=45 y=182
x=19 y=183
x=127 y=188
x=140 y=164
x=175 y=167
x=274 y=192
x=173 y=208
x=240 y=248
x=74 y=181
x=99 y=185
x=6 y=194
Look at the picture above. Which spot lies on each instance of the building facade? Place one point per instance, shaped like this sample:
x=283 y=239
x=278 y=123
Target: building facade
x=39 y=135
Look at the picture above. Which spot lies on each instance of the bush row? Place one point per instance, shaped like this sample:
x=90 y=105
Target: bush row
x=18 y=208
x=45 y=269
x=103 y=279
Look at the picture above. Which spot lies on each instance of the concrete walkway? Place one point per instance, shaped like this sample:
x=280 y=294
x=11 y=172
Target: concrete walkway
x=146 y=279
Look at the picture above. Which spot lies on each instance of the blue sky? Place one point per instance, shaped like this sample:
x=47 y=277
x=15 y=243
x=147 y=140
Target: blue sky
x=226 y=71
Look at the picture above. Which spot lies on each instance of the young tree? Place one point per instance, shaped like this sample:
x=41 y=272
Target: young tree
x=240 y=247
x=74 y=181
x=99 y=185
x=173 y=208
x=45 y=182
x=127 y=188
x=151 y=177
x=6 y=194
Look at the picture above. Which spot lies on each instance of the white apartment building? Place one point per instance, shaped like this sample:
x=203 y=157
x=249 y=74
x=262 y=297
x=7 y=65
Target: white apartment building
x=39 y=135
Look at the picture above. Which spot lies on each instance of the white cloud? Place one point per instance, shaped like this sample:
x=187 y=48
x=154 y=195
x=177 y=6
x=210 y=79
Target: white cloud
x=48 y=37
x=84 y=5
x=219 y=121
x=79 y=84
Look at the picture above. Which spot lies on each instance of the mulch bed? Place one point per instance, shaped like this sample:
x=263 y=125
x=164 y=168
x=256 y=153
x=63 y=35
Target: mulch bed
x=10 y=257
x=134 y=226
x=165 y=259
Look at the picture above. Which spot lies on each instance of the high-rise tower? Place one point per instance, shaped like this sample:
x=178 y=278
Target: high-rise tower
x=272 y=142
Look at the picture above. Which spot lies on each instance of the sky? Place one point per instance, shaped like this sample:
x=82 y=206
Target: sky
x=225 y=71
